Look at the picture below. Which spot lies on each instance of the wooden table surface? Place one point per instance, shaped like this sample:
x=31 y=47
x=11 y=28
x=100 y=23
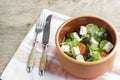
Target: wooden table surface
x=18 y=16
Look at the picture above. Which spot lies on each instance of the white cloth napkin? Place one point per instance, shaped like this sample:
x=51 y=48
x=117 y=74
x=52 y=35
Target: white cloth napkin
x=16 y=69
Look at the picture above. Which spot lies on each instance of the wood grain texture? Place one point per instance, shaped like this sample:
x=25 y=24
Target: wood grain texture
x=18 y=16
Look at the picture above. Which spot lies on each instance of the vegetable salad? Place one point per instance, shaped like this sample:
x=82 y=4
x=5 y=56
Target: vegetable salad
x=87 y=43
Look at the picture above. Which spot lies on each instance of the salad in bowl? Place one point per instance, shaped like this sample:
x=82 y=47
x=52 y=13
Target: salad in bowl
x=87 y=43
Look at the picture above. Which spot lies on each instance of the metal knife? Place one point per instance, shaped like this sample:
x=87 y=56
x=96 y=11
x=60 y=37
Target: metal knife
x=45 y=42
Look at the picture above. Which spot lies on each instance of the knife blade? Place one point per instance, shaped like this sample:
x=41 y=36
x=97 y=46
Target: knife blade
x=46 y=32
x=45 y=41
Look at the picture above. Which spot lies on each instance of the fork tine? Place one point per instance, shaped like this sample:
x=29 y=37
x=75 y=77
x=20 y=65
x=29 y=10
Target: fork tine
x=42 y=20
x=40 y=23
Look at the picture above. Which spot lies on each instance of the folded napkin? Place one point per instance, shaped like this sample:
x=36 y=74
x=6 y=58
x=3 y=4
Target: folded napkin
x=16 y=68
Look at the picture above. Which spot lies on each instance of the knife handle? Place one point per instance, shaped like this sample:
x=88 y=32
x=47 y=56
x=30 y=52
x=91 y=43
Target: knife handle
x=31 y=59
x=43 y=61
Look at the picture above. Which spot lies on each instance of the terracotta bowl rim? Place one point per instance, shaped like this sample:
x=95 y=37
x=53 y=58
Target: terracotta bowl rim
x=87 y=63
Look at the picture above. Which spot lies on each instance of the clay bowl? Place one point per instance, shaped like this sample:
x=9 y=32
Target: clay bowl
x=85 y=69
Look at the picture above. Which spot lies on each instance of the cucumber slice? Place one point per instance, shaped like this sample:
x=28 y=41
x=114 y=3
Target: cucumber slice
x=102 y=43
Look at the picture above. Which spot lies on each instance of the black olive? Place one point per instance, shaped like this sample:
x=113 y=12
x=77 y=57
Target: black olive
x=66 y=35
x=106 y=35
x=109 y=37
x=86 y=56
x=86 y=40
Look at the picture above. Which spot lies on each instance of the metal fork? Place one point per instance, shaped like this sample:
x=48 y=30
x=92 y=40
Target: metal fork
x=39 y=27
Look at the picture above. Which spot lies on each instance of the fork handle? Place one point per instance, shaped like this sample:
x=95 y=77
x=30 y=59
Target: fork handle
x=31 y=59
x=43 y=61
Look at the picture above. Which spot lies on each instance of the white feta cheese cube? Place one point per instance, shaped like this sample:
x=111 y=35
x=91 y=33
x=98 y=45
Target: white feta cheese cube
x=83 y=30
x=76 y=36
x=93 y=42
x=108 y=46
x=75 y=51
x=65 y=48
x=80 y=58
